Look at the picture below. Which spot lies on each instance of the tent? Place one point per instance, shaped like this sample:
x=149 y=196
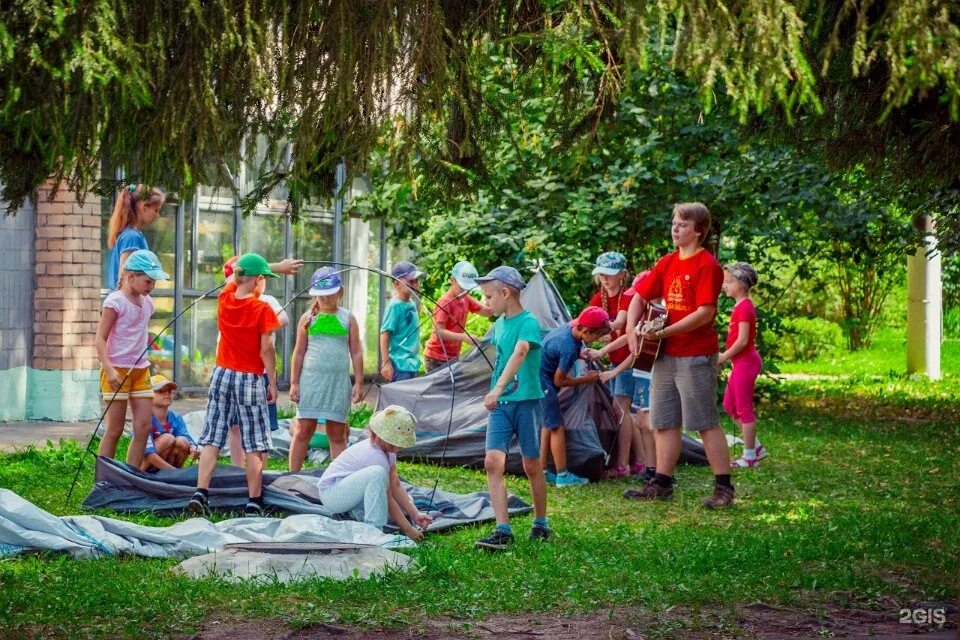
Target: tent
x=452 y=421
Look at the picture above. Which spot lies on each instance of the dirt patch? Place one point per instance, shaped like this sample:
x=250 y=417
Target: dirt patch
x=758 y=621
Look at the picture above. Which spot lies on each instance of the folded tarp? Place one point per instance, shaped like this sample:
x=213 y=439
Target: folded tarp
x=121 y=488
x=25 y=527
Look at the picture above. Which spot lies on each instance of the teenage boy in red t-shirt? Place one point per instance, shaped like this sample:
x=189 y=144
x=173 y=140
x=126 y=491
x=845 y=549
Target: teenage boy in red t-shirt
x=237 y=394
x=450 y=317
x=684 y=388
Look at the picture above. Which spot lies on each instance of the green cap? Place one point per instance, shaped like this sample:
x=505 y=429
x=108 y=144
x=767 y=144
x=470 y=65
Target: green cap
x=253 y=264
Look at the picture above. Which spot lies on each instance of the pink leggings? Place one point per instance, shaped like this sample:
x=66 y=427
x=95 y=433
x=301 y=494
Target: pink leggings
x=738 y=398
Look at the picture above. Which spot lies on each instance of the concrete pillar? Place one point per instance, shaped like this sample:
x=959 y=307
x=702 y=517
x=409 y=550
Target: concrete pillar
x=924 y=306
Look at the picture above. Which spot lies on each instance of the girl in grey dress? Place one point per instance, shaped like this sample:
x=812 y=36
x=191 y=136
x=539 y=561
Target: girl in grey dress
x=328 y=341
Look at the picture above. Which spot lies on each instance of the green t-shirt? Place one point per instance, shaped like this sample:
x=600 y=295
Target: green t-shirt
x=401 y=320
x=507 y=332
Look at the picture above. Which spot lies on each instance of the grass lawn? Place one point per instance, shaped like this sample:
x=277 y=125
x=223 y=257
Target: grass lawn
x=858 y=502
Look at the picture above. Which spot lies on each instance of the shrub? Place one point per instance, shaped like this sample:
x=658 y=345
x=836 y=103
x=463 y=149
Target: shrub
x=951 y=323
x=808 y=338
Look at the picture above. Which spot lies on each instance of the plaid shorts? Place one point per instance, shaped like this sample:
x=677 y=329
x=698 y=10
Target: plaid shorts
x=237 y=399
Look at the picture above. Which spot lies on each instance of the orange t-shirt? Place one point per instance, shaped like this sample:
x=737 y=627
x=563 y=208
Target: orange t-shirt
x=241 y=323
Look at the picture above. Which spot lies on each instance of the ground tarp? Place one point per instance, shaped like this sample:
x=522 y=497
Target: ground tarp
x=120 y=488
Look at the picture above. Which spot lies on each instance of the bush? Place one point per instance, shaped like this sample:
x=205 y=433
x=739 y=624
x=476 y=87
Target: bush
x=808 y=338
x=951 y=323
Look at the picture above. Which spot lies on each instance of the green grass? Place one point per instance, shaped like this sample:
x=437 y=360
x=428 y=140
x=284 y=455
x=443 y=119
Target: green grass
x=857 y=501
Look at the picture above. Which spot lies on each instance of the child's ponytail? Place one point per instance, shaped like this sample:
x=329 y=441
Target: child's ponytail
x=126 y=211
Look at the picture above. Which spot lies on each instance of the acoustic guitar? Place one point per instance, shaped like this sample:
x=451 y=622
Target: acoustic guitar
x=654 y=319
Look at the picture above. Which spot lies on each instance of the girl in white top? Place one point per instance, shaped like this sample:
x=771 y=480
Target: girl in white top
x=121 y=348
x=365 y=475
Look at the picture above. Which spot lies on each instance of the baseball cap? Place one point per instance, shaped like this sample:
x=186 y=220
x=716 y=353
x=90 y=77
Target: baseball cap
x=228 y=266
x=507 y=275
x=253 y=264
x=146 y=262
x=159 y=383
x=632 y=291
x=395 y=425
x=404 y=269
x=465 y=274
x=591 y=318
x=743 y=272
x=610 y=263
x=325 y=282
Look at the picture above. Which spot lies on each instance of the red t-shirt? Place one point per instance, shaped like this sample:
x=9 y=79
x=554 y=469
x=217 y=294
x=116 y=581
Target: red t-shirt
x=241 y=323
x=450 y=314
x=743 y=311
x=686 y=284
x=615 y=304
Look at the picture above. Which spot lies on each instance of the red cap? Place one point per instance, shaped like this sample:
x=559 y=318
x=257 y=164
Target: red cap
x=632 y=291
x=228 y=266
x=591 y=318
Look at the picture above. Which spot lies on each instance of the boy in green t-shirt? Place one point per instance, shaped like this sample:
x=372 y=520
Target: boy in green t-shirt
x=399 y=331
x=513 y=403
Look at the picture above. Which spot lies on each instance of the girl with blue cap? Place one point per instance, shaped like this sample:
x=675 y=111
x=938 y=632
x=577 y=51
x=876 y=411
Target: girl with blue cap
x=328 y=341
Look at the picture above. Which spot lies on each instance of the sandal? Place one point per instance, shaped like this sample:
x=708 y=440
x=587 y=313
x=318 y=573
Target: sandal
x=744 y=463
x=637 y=468
x=617 y=472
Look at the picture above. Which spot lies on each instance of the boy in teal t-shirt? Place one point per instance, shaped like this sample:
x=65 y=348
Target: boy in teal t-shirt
x=513 y=403
x=400 y=329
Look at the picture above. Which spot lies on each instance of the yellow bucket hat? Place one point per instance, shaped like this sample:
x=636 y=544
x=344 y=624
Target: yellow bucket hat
x=395 y=425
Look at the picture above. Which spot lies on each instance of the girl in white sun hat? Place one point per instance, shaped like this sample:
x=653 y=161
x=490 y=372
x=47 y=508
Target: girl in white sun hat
x=364 y=477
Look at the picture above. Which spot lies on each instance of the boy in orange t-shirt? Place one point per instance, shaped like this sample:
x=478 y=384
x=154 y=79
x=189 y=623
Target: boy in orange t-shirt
x=237 y=395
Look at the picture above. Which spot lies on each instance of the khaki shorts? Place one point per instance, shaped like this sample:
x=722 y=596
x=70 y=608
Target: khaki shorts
x=135 y=385
x=684 y=393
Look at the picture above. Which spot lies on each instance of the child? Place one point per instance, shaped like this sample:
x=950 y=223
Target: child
x=399 y=332
x=513 y=403
x=237 y=456
x=683 y=391
x=121 y=348
x=365 y=475
x=561 y=350
x=741 y=351
x=450 y=317
x=169 y=443
x=328 y=341
x=236 y=394
x=137 y=206
x=614 y=298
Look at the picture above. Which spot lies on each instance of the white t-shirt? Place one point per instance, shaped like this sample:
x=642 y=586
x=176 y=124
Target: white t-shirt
x=360 y=456
x=127 y=342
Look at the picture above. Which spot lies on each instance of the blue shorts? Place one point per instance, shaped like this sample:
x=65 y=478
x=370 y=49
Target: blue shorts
x=623 y=385
x=399 y=376
x=521 y=417
x=641 y=394
x=550 y=405
x=271 y=408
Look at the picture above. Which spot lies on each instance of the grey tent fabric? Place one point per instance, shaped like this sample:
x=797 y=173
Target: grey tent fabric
x=452 y=421
x=121 y=488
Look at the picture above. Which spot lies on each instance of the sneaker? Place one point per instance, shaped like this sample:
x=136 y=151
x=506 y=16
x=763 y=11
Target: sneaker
x=761 y=452
x=199 y=505
x=550 y=476
x=253 y=510
x=722 y=497
x=570 y=479
x=540 y=532
x=617 y=471
x=637 y=468
x=650 y=491
x=744 y=463
x=496 y=541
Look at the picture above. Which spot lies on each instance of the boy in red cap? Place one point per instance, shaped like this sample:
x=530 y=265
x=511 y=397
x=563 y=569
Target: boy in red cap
x=560 y=352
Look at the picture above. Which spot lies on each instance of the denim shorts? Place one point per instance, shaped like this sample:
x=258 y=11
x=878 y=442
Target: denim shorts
x=399 y=376
x=521 y=417
x=641 y=393
x=684 y=393
x=271 y=408
x=623 y=384
x=550 y=405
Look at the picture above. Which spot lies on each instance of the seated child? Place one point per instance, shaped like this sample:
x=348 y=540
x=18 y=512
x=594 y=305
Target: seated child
x=560 y=352
x=169 y=443
x=365 y=475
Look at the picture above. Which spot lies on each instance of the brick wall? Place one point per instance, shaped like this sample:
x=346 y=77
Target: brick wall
x=16 y=286
x=67 y=269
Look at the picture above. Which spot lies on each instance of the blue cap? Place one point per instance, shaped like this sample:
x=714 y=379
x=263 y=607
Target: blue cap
x=507 y=275
x=404 y=269
x=465 y=274
x=325 y=282
x=610 y=263
x=145 y=262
